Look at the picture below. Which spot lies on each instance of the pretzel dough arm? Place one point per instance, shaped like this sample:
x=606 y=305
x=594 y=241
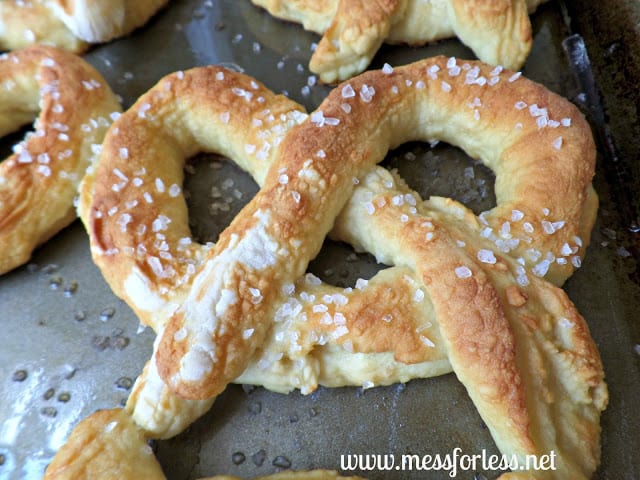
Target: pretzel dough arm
x=106 y=444
x=157 y=410
x=314 y=15
x=355 y=35
x=564 y=380
x=426 y=21
x=561 y=368
x=498 y=32
x=96 y=22
x=422 y=22
x=25 y=23
x=380 y=333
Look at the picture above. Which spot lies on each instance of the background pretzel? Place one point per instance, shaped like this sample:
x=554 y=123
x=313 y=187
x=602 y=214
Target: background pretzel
x=491 y=308
x=108 y=444
x=73 y=107
x=498 y=32
x=71 y=25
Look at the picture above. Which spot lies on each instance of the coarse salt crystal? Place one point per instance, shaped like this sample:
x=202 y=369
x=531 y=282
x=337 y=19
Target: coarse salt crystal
x=142 y=111
x=516 y=215
x=514 y=77
x=348 y=91
x=174 y=190
x=463 y=272
x=426 y=341
x=159 y=185
x=370 y=207
x=418 y=295
x=247 y=333
x=366 y=93
x=541 y=269
x=557 y=143
x=486 y=256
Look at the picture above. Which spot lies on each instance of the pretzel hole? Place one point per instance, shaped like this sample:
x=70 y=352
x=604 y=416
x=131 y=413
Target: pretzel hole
x=445 y=171
x=10 y=140
x=431 y=170
x=216 y=189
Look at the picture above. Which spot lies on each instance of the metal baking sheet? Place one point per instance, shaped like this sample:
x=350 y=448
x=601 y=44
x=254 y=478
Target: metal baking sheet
x=70 y=346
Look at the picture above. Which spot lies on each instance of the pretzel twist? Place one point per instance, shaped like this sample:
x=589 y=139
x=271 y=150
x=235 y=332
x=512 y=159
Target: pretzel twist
x=38 y=182
x=513 y=339
x=71 y=24
x=498 y=32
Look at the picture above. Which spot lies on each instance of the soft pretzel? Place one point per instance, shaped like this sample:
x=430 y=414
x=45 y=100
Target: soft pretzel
x=38 y=182
x=71 y=24
x=498 y=32
x=108 y=444
x=513 y=339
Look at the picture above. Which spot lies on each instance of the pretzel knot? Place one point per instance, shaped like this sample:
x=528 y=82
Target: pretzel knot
x=38 y=182
x=71 y=25
x=482 y=283
x=498 y=32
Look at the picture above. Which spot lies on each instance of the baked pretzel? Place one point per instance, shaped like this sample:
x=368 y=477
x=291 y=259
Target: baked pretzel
x=108 y=444
x=498 y=32
x=513 y=339
x=38 y=182
x=71 y=24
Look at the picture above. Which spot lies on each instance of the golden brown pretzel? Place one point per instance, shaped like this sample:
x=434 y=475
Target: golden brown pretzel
x=109 y=445
x=515 y=340
x=73 y=107
x=499 y=32
x=70 y=24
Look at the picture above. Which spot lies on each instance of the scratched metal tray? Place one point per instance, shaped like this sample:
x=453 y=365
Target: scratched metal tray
x=70 y=346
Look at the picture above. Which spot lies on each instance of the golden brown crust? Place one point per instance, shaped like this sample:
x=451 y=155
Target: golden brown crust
x=73 y=105
x=107 y=444
x=513 y=339
x=71 y=24
x=498 y=32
